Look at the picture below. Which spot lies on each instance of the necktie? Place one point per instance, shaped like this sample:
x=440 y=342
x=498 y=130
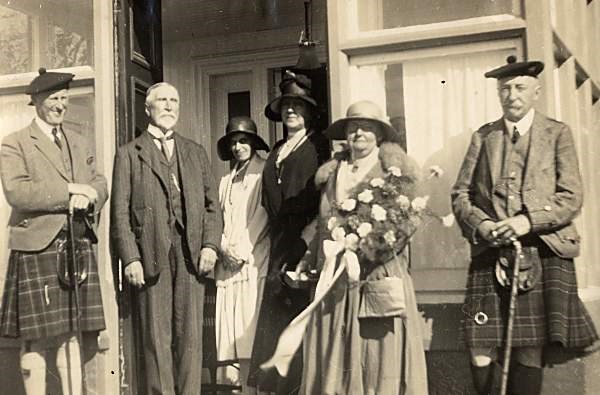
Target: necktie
x=56 y=136
x=515 y=136
x=164 y=147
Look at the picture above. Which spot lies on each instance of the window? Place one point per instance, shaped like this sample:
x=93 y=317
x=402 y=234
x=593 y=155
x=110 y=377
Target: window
x=388 y=14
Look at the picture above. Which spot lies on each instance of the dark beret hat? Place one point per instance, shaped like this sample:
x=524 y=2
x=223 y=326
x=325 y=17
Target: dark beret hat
x=49 y=81
x=512 y=68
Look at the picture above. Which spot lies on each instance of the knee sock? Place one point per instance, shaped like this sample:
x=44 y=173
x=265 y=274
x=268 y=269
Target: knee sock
x=524 y=380
x=33 y=369
x=68 y=362
x=482 y=378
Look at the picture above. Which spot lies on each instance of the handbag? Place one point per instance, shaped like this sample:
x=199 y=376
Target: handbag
x=382 y=298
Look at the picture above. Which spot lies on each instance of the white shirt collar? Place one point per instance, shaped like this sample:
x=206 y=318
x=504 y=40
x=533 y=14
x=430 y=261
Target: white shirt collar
x=156 y=132
x=46 y=127
x=523 y=125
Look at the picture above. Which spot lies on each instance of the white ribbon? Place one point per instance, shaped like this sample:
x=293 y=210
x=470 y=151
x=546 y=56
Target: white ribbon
x=291 y=337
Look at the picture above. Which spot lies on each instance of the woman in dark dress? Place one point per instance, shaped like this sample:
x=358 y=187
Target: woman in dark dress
x=291 y=200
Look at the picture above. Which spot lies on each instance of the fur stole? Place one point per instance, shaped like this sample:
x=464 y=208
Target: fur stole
x=390 y=154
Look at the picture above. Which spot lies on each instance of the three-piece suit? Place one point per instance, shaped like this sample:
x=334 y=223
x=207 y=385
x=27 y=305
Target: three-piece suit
x=164 y=211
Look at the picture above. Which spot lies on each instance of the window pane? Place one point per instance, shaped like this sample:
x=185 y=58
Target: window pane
x=15 y=42
x=45 y=33
x=436 y=104
x=387 y=14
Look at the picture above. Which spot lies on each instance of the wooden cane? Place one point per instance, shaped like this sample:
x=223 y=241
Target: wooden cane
x=514 y=287
x=74 y=277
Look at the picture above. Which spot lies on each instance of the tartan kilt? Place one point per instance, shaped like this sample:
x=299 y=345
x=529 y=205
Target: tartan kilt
x=37 y=305
x=550 y=313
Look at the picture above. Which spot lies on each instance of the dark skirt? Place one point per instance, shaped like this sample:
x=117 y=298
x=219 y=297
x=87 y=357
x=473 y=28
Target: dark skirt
x=37 y=305
x=551 y=313
x=280 y=305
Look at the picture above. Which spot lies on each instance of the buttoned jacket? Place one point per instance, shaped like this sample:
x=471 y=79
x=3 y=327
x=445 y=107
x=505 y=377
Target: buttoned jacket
x=35 y=183
x=140 y=228
x=551 y=192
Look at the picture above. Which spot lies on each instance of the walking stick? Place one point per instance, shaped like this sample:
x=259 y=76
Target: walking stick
x=74 y=279
x=514 y=287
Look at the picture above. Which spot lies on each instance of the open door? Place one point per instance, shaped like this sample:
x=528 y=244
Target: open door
x=139 y=42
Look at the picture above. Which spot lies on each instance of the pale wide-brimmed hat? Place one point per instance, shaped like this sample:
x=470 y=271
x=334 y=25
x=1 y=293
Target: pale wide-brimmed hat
x=363 y=110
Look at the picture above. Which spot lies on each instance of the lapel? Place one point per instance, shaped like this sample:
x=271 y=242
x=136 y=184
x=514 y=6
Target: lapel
x=183 y=152
x=494 y=148
x=77 y=159
x=539 y=143
x=48 y=149
x=149 y=154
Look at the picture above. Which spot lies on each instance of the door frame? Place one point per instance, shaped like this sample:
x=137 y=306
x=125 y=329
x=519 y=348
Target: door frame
x=258 y=64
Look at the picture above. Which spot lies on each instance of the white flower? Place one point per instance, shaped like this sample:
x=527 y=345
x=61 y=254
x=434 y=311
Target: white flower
x=332 y=223
x=348 y=204
x=378 y=213
x=364 y=229
x=351 y=242
x=389 y=237
x=377 y=182
x=419 y=203
x=435 y=171
x=338 y=233
x=395 y=171
x=403 y=202
x=448 y=220
x=365 y=196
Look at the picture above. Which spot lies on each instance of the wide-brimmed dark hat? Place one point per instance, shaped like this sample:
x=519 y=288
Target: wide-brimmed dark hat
x=512 y=68
x=363 y=111
x=292 y=85
x=48 y=81
x=243 y=125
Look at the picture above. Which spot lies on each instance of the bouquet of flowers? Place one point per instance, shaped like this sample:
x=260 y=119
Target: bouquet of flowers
x=379 y=219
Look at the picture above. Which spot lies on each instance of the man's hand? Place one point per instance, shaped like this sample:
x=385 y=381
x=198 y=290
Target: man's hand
x=208 y=258
x=78 y=202
x=512 y=228
x=134 y=273
x=486 y=230
x=85 y=190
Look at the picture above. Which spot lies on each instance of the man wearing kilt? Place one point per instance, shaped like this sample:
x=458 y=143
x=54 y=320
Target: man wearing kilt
x=520 y=181
x=48 y=171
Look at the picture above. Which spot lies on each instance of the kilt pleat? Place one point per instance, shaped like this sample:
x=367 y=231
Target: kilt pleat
x=550 y=313
x=36 y=305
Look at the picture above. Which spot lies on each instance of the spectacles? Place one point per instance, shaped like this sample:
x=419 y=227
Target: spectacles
x=367 y=126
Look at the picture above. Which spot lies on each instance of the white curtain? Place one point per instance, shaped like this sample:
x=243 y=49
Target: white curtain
x=446 y=99
x=14 y=115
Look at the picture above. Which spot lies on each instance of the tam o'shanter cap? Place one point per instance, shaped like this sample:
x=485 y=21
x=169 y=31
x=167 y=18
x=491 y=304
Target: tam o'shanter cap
x=49 y=81
x=512 y=68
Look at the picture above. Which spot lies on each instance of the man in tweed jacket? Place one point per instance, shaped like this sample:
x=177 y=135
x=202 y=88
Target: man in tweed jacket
x=520 y=180
x=166 y=225
x=48 y=170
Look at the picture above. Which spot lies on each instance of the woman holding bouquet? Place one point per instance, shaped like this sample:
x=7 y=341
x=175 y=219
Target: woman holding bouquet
x=364 y=337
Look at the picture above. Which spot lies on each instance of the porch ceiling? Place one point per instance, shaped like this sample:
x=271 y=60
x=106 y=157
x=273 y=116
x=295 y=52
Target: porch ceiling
x=193 y=19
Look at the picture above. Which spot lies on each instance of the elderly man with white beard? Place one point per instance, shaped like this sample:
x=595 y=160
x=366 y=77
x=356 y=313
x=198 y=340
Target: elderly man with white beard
x=166 y=227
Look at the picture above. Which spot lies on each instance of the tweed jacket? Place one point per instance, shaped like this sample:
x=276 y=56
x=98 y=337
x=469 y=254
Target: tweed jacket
x=552 y=192
x=35 y=182
x=139 y=203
